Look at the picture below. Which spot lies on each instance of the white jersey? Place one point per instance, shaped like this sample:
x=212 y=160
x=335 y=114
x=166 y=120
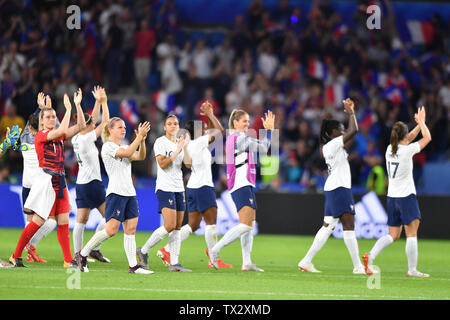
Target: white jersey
x=244 y=145
x=30 y=165
x=338 y=167
x=400 y=170
x=201 y=174
x=118 y=170
x=87 y=157
x=171 y=178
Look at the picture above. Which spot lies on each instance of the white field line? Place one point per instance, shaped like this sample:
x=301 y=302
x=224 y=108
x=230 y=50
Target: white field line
x=251 y=293
x=318 y=276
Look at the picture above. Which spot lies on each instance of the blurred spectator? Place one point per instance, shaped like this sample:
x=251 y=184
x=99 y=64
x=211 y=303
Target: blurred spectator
x=10 y=119
x=113 y=53
x=145 y=39
x=13 y=62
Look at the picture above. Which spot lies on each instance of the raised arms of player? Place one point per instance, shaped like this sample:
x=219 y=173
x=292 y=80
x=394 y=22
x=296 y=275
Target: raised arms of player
x=352 y=123
x=102 y=99
x=131 y=152
x=81 y=122
x=426 y=135
x=217 y=130
x=164 y=162
x=245 y=143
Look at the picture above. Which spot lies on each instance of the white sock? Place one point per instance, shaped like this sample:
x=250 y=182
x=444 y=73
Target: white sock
x=247 y=245
x=100 y=227
x=129 y=244
x=230 y=236
x=379 y=246
x=210 y=236
x=174 y=246
x=185 y=231
x=96 y=239
x=154 y=239
x=78 y=232
x=352 y=246
x=48 y=226
x=319 y=240
x=411 y=253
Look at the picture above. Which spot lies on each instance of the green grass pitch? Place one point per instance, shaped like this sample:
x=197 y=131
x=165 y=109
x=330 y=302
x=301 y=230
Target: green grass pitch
x=277 y=255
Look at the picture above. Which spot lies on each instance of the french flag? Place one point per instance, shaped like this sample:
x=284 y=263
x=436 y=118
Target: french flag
x=129 y=112
x=395 y=95
x=420 y=32
x=340 y=30
x=336 y=93
x=376 y=78
x=164 y=101
x=317 y=69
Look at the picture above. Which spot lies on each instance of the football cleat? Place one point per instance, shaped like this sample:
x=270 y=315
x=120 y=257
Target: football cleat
x=213 y=261
x=143 y=258
x=164 y=255
x=139 y=269
x=97 y=255
x=418 y=274
x=81 y=262
x=220 y=262
x=367 y=269
x=307 y=267
x=33 y=256
x=179 y=268
x=17 y=262
x=72 y=264
x=251 y=267
x=359 y=270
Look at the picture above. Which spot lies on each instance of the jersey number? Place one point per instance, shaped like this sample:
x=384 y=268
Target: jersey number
x=395 y=164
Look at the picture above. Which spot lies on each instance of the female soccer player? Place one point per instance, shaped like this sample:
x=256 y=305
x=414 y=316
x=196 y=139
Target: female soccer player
x=402 y=206
x=200 y=192
x=121 y=202
x=241 y=176
x=49 y=194
x=169 y=153
x=339 y=204
x=89 y=188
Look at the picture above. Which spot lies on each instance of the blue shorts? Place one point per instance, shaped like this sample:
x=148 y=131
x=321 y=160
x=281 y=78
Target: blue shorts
x=90 y=195
x=402 y=211
x=121 y=208
x=25 y=193
x=171 y=200
x=338 y=202
x=200 y=199
x=244 y=196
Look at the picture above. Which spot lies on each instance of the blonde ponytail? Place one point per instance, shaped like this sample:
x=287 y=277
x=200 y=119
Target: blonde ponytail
x=236 y=114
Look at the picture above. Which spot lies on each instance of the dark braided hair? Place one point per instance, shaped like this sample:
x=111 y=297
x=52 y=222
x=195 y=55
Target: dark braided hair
x=326 y=130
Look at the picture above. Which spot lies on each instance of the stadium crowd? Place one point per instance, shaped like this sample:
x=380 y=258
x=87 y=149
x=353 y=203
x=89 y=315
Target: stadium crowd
x=299 y=64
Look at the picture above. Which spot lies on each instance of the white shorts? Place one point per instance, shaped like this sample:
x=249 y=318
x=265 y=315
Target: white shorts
x=42 y=195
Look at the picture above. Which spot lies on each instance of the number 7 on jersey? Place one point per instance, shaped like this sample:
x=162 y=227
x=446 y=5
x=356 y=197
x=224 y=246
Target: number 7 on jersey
x=395 y=164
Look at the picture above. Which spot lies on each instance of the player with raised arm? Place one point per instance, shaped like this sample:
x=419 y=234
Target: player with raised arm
x=169 y=153
x=30 y=170
x=339 y=203
x=121 y=205
x=241 y=178
x=402 y=206
x=89 y=187
x=49 y=194
x=200 y=192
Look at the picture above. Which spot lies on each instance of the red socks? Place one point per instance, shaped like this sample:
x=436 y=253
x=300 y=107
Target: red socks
x=64 y=240
x=27 y=233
